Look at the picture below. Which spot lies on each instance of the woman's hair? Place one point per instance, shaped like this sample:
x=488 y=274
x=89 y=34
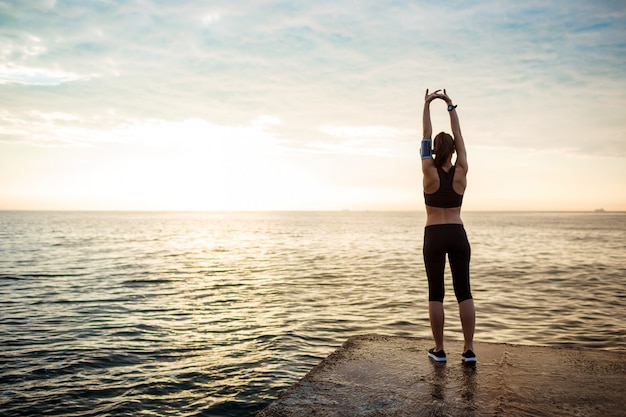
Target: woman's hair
x=443 y=148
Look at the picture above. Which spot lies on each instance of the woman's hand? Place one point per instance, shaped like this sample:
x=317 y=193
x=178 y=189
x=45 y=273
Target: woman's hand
x=435 y=95
x=432 y=96
x=445 y=97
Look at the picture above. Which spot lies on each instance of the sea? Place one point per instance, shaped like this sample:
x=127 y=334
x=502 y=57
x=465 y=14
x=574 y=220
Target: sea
x=217 y=313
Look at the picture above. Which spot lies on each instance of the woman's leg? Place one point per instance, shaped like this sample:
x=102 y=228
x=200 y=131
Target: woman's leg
x=468 y=322
x=459 y=265
x=435 y=262
x=437 y=318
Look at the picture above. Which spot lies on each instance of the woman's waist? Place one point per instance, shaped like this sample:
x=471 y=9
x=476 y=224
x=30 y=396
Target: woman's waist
x=438 y=215
x=445 y=227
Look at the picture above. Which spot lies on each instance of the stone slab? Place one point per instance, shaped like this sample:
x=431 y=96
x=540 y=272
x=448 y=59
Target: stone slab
x=373 y=375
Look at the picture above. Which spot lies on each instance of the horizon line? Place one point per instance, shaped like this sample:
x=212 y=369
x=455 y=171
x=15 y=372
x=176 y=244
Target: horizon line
x=595 y=211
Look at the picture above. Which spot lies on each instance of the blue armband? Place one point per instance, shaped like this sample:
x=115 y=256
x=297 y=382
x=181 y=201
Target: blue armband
x=427 y=150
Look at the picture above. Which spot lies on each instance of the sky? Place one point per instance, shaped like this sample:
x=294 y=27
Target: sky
x=308 y=105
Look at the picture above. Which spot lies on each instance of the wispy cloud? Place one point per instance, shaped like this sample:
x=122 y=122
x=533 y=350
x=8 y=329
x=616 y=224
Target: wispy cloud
x=36 y=76
x=311 y=64
x=314 y=77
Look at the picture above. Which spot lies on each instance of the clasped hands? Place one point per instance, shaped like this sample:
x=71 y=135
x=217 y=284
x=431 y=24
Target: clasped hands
x=435 y=95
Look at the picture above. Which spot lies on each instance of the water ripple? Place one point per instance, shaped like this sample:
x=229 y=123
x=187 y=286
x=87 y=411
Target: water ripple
x=216 y=313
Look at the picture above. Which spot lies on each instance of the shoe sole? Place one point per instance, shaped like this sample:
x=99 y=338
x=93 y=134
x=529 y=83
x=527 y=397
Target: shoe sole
x=436 y=358
x=469 y=360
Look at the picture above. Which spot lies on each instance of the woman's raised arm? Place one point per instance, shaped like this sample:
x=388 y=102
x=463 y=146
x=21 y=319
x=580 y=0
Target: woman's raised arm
x=426 y=124
x=459 y=143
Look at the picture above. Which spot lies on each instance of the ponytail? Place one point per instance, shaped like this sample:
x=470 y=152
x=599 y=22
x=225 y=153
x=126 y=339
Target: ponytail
x=443 y=148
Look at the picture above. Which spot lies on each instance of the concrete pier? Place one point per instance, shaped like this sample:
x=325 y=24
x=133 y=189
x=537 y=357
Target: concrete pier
x=376 y=375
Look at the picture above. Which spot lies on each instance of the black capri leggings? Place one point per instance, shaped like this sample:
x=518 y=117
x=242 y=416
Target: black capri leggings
x=451 y=239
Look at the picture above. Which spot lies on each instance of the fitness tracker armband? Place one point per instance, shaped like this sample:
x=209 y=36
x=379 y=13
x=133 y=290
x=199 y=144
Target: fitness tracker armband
x=426 y=150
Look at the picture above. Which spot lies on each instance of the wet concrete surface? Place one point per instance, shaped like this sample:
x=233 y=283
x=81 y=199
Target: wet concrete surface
x=376 y=375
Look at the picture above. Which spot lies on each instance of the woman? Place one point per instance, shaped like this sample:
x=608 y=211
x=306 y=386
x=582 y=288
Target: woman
x=444 y=186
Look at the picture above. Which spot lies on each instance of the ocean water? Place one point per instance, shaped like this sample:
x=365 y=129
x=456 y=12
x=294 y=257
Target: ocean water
x=214 y=314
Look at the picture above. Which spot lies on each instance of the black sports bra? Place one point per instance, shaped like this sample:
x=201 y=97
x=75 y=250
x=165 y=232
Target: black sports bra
x=445 y=196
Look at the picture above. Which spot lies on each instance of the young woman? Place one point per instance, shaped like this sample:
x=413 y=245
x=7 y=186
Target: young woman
x=444 y=186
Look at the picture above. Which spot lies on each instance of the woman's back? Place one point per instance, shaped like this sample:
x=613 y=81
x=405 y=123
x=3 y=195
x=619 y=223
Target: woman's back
x=444 y=194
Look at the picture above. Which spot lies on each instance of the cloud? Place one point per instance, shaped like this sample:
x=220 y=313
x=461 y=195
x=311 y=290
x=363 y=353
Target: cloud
x=63 y=129
x=210 y=18
x=315 y=65
x=36 y=76
x=328 y=92
x=355 y=132
x=379 y=141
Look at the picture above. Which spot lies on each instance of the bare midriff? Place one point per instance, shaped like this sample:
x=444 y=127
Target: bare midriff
x=439 y=215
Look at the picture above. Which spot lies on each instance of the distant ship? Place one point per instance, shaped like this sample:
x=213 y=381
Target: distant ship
x=600 y=210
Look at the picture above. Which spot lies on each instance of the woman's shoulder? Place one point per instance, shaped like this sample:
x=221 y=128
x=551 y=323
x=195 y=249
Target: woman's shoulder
x=460 y=169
